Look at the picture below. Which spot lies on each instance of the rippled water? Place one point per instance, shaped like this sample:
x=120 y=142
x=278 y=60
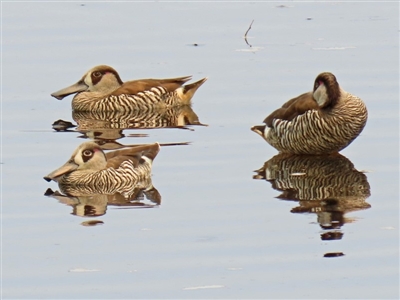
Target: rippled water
x=220 y=230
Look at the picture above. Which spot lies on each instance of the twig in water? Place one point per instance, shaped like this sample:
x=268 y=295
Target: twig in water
x=245 y=35
x=175 y=144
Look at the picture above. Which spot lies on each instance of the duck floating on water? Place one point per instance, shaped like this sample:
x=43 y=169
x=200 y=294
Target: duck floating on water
x=323 y=121
x=101 y=89
x=109 y=172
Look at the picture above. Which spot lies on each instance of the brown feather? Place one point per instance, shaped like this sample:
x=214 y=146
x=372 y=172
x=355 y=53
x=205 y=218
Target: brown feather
x=293 y=108
x=115 y=162
x=134 y=154
x=190 y=89
x=136 y=86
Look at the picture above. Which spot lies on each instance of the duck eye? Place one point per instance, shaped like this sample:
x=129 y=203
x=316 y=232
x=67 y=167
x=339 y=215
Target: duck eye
x=97 y=74
x=87 y=153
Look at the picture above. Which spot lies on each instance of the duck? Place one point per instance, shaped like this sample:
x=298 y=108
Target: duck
x=101 y=89
x=108 y=173
x=323 y=121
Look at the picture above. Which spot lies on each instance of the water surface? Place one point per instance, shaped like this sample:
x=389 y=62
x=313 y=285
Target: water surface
x=218 y=233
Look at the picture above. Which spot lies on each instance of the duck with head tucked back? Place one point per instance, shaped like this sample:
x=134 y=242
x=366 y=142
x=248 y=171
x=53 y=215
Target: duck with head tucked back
x=323 y=121
x=89 y=167
x=101 y=89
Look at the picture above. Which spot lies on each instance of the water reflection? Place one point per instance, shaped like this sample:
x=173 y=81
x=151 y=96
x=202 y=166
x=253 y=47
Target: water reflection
x=86 y=204
x=116 y=122
x=328 y=186
x=61 y=125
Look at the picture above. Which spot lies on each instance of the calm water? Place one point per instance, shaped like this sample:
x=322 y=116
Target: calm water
x=218 y=233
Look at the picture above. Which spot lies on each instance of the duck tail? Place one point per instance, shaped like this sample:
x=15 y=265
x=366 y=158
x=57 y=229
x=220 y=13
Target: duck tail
x=153 y=195
x=259 y=129
x=152 y=151
x=187 y=91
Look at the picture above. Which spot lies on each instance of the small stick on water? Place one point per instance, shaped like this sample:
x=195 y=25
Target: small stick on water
x=175 y=144
x=245 y=35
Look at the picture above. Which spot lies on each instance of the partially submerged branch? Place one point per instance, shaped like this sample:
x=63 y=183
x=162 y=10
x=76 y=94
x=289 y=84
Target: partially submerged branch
x=245 y=35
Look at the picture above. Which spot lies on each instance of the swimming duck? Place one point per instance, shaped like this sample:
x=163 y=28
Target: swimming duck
x=323 y=121
x=101 y=89
x=107 y=173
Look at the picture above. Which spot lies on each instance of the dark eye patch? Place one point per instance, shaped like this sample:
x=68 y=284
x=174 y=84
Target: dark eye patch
x=87 y=154
x=96 y=77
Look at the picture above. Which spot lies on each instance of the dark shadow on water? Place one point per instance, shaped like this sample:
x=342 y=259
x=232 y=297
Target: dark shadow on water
x=328 y=186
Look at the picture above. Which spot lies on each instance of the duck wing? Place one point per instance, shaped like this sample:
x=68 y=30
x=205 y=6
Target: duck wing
x=136 y=86
x=134 y=154
x=293 y=108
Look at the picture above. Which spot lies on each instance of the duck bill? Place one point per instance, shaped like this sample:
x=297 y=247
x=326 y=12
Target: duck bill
x=80 y=86
x=66 y=168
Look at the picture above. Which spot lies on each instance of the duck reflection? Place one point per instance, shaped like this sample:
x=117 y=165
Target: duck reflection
x=328 y=186
x=175 y=117
x=95 y=205
x=91 y=179
x=113 y=122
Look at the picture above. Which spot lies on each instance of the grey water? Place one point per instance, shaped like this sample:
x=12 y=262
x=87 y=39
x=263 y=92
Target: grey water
x=220 y=230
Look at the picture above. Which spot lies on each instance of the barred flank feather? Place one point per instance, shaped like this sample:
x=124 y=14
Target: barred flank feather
x=144 y=101
x=109 y=181
x=317 y=132
x=155 y=98
x=98 y=198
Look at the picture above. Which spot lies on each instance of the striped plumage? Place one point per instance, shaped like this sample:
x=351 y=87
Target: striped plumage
x=323 y=121
x=94 y=171
x=121 y=194
x=101 y=89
